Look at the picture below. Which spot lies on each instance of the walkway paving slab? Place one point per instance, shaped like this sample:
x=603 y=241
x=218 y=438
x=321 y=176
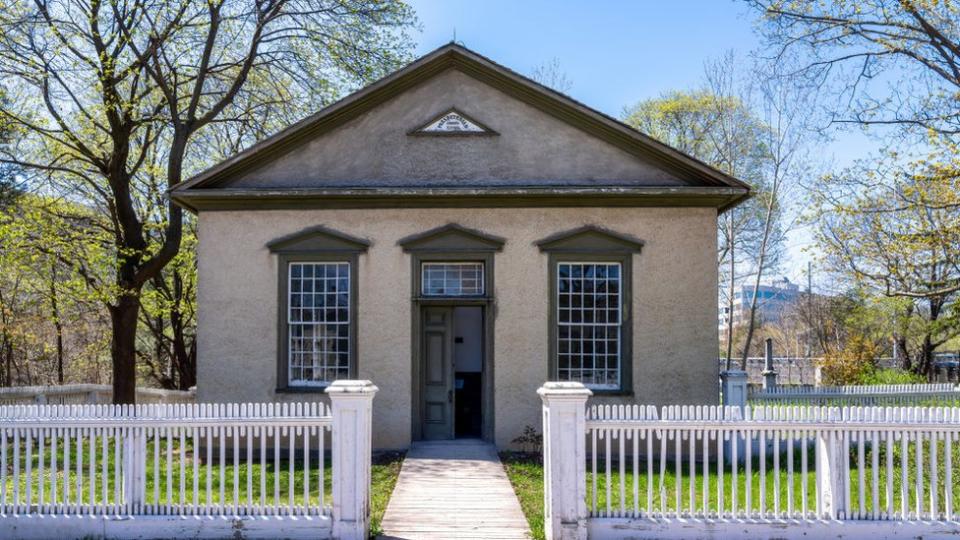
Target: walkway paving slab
x=453 y=490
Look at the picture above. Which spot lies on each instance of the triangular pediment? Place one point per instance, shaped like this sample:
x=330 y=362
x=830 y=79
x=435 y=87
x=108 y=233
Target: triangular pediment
x=590 y=239
x=318 y=239
x=451 y=237
x=453 y=122
x=400 y=141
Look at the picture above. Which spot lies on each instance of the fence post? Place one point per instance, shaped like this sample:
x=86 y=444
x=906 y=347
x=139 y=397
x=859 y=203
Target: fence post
x=134 y=467
x=769 y=374
x=733 y=385
x=564 y=460
x=831 y=474
x=352 y=404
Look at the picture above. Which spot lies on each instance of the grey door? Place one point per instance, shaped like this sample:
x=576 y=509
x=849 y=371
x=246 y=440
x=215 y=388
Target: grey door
x=437 y=373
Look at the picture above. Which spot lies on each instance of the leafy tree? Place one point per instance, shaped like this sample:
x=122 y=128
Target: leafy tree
x=718 y=128
x=895 y=229
x=759 y=140
x=113 y=99
x=889 y=224
x=51 y=323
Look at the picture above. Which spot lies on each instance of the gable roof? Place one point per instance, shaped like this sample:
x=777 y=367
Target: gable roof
x=709 y=186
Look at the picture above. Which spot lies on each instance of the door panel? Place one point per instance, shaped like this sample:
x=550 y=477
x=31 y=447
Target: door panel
x=436 y=367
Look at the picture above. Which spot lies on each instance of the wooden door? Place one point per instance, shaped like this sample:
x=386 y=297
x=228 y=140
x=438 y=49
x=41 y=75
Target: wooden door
x=437 y=373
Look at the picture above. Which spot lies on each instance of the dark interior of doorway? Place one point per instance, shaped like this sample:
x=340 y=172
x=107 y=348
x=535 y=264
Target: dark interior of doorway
x=468 y=381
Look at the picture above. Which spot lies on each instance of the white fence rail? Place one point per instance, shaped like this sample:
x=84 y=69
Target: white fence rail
x=773 y=471
x=882 y=394
x=251 y=470
x=76 y=394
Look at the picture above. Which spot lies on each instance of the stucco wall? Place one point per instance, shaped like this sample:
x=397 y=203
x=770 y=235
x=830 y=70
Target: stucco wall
x=674 y=301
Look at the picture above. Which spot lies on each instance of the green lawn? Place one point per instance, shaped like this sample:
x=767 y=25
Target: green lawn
x=165 y=477
x=526 y=474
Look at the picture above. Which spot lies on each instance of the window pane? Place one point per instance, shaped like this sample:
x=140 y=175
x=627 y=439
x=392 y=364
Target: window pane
x=318 y=322
x=452 y=279
x=588 y=323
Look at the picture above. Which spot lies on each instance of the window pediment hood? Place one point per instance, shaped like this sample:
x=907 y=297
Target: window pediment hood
x=318 y=239
x=590 y=239
x=451 y=237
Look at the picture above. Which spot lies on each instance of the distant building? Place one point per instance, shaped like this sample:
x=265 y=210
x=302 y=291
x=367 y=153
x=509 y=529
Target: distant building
x=773 y=300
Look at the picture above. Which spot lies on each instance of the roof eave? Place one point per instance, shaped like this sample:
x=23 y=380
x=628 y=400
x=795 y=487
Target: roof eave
x=721 y=198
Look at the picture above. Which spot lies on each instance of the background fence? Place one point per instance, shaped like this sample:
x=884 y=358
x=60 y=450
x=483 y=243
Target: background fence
x=772 y=471
x=932 y=394
x=260 y=469
x=87 y=394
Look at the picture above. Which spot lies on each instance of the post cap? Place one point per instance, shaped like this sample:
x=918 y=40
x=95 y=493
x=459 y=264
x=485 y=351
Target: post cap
x=352 y=387
x=733 y=374
x=563 y=389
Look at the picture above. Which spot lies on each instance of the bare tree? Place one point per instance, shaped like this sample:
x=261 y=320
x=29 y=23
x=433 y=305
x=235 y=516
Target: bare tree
x=891 y=62
x=551 y=75
x=786 y=108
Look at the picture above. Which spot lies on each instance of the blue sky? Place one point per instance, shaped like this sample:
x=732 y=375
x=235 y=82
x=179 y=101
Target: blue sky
x=615 y=53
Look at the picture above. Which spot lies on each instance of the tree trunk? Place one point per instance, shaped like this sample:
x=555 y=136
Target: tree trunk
x=731 y=289
x=123 y=348
x=57 y=325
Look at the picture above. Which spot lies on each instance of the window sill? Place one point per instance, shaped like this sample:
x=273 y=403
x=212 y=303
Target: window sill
x=612 y=393
x=302 y=389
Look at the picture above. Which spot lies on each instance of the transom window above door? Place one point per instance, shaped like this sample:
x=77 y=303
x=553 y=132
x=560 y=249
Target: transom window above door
x=455 y=279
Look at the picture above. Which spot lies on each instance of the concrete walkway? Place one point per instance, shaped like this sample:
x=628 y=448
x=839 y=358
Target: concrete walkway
x=453 y=490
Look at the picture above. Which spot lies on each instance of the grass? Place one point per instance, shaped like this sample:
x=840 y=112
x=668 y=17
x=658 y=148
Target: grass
x=164 y=477
x=525 y=472
x=526 y=475
x=383 y=478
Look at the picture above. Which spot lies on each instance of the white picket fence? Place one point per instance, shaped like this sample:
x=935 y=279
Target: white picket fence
x=193 y=470
x=881 y=394
x=70 y=394
x=764 y=472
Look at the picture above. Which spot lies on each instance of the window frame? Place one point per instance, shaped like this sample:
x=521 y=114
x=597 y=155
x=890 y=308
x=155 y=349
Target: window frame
x=316 y=244
x=626 y=313
x=284 y=384
x=621 y=316
x=350 y=322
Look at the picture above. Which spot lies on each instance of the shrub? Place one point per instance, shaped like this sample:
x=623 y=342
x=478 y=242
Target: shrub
x=530 y=441
x=892 y=376
x=851 y=365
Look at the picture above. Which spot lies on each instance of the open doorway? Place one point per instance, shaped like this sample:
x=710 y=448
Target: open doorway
x=468 y=371
x=452 y=372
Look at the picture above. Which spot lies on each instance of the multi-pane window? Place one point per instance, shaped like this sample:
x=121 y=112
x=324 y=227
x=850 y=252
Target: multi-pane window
x=318 y=322
x=589 y=323
x=452 y=279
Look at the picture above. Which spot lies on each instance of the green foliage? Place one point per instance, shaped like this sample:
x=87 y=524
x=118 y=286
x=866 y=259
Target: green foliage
x=526 y=476
x=893 y=229
x=110 y=104
x=891 y=376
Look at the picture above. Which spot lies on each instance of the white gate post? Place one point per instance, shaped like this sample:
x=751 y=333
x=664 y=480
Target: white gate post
x=352 y=404
x=564 y=460
x=831 y=472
